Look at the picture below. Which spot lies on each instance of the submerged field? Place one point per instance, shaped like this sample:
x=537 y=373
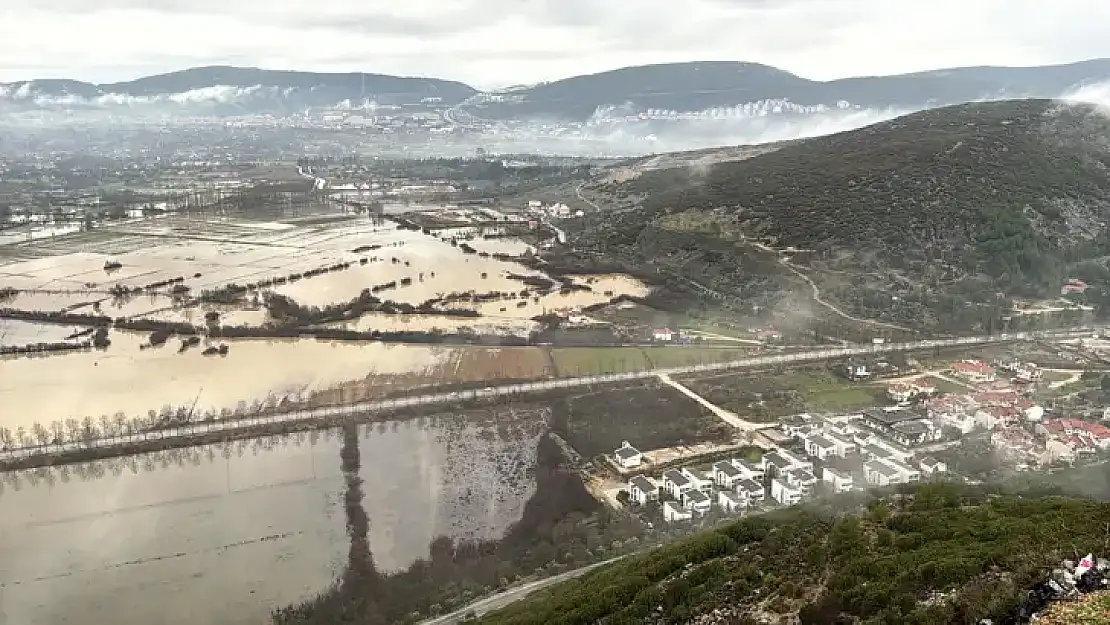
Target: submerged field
x=167 y=264
x=227 y=533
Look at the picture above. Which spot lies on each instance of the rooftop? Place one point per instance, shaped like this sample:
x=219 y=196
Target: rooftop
x=642 y=483
x=750 y=486
x=676 y=477
x=878 y=466
x=627 y=453
x=727 y=468
x=696 y=496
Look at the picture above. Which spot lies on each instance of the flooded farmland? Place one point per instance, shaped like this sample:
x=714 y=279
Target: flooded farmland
x=226 y=533
x=163 y=263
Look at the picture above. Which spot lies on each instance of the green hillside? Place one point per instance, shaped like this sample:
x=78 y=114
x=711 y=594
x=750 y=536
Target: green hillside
x=947 y=209
x=942 y=554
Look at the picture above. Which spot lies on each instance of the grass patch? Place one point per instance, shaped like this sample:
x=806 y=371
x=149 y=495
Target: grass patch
x=764 y=397
x=651 y=416
x=685 y=356
x=579 y=361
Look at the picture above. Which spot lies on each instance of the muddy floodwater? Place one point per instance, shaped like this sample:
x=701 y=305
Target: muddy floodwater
x=132 y=380
x=223 y=534
x=77 y=273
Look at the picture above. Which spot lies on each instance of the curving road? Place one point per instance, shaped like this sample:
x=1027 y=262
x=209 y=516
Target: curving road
x=195 y=430
x=512 y=595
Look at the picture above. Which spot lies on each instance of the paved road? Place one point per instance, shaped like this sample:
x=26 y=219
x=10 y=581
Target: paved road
x=502 y=599
x=508 y=390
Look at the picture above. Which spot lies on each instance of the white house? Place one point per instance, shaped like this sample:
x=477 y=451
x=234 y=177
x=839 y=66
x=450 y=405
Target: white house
x=673 y=513
x=662 y=334
x=818 y=446
x=726 y=474
x=909 y=474
x=752 y=491
x=730 y=501
x=675 y=483
x=642 y=489
x=801 y=479
x=780 y=461
x=838 y=481
x=784 y=493
x=886 y=472
x=699 y=480
x=845 y=446
x=931 y=466
x=749 y=470
x=879 y=473
x=697 y=501
x=628 y=457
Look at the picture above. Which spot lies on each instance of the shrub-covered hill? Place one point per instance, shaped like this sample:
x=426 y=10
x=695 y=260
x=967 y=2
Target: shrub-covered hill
x=972 y=200
x=940 y=555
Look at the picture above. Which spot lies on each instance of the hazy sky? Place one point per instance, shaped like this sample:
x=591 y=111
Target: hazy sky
x=503 y=42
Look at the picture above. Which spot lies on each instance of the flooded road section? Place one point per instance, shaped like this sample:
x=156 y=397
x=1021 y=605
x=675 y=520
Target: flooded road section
x=223 y=534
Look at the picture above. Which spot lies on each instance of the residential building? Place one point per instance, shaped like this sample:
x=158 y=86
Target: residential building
x=749 y=470
x=697 y=501
x=662 y=334
x=628 y=457
x=796 y=425
x=726 y=474
x=886 y=472
x=908 y=474
x=642 y=489
x=845 y=446
x=779 y=461
x=838 y=481
x=879 y=473
x=973 y=371
x=915 y=433
x=931 y=466
x=698 y=480
x=857 y=370
x=730 y=501
x=675 y=483
x=819 y=447
x=801 y=479
x=883 y=420
x=784 y=493
x=905 y=391
x=752 y=491
x=674 y=513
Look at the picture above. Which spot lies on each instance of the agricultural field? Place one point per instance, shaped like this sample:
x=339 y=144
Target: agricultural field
x=580 y=361
x=650 y=416
x=165 y=270
x=765 y=396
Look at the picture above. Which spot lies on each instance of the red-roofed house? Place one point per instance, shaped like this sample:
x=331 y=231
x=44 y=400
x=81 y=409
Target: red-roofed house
x=973 y=371
x=1073 y=285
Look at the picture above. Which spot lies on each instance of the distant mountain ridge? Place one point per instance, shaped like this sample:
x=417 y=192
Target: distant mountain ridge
x=679 y=87
x=700 y=86
x=248 y=89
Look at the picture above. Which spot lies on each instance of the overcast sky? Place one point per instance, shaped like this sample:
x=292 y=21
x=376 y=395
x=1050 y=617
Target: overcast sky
x=491 y=43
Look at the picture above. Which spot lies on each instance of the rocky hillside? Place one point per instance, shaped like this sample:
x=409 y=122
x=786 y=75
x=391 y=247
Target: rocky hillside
x=941 y=554
x=975 y=202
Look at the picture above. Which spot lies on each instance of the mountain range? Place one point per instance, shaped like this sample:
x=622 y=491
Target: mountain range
x=673 y=88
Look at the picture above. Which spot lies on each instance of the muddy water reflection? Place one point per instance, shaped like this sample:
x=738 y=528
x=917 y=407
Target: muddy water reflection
x=225 y=533
x=214 y=539
x=125 y=378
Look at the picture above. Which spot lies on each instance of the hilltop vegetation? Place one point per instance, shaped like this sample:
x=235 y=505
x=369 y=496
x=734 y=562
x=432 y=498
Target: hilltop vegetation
x=939 y=554
x=953 y=210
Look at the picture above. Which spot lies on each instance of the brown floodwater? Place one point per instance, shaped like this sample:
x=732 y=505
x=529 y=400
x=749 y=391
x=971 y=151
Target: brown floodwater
x=222 y=534
x=126 y=378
